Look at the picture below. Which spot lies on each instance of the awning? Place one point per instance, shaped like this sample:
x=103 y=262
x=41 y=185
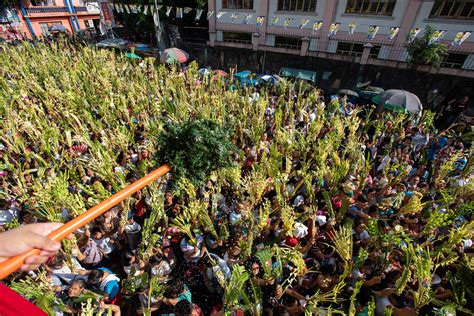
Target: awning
x=298 y=73
x=243 y=74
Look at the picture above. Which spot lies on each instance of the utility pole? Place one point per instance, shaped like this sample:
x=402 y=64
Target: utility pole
x=158 y=29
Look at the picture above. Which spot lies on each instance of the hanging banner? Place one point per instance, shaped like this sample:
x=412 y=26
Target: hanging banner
x=127 y=8
x=106 y=14
x=393 y=32
x=209 y=14
x=460 y=38
x=303 y=23
x=102 y=28
x=287 y=22
x=134 y=8
x=436 y=36
x=247 y=19
x=152 y=10
x=413 y=34
x=333 y=29
x=352 y=27
x=179 y=13
x=317 y=26
x=158 y=7
x=186 y=10
x=372 y=31
x=234 y=16
x=198 y=14
x=168 y=11
x=156 y=19
x=260 y=20
x=275 y=21
x=146 y=9
x=220 y=14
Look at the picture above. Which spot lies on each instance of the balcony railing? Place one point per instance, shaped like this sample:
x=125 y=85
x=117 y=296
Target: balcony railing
x=80 y=9
x=40 y=10
x=92 y=7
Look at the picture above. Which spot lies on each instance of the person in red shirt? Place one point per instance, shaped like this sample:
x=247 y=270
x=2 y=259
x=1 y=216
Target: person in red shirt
x=17 y=241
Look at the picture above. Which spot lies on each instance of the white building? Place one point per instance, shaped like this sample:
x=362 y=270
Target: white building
x=288 y=27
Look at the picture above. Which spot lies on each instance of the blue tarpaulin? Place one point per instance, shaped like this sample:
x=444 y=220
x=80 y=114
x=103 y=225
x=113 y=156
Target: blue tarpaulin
x=243 y=74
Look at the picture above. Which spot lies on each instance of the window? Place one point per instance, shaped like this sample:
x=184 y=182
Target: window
x=356 y=49
x=232 y=37
x=43 y=3
x=46 y=26
x=297 y=5
x=237 y=4
x=288 y=42
x=454 y=60
x=371 y=7
x=453 y=10
x=374 y=51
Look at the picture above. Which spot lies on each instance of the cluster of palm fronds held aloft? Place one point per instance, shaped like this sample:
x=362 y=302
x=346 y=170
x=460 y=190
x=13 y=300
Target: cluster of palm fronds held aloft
x=313 y=211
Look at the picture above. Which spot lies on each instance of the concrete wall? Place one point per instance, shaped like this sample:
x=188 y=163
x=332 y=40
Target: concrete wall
x=452 y=26
x=406 y=15
x=296 y=16
x=364 y=21
x=35 y=23
x=343 y=70
x=226 y=18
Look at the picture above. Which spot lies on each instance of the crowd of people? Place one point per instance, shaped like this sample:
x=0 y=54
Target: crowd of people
x=331 y=206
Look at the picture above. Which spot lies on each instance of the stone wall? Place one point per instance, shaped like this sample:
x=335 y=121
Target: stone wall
x=345 y=74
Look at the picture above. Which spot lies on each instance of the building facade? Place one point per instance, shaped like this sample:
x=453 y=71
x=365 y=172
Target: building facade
x=35 y=18
x=288 y=27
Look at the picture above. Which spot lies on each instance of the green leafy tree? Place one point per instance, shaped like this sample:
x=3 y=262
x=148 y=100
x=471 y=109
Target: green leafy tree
x=422 y=52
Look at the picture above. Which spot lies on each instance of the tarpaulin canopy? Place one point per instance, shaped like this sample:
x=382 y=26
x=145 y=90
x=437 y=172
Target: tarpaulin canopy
x=133 y=56
x=204 y=71
x=298 y=73
x=270 y=79
x=113 y=43
x=248 y=82
x=348 y=93
x=243 y=74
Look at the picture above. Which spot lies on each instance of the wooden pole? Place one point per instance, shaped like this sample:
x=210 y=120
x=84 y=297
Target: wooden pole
x=15 y=263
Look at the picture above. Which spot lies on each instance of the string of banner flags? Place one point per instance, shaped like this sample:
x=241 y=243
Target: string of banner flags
x=317 y=25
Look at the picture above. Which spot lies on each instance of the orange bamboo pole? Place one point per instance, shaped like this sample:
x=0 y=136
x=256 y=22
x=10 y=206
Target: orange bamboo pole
x=13 y=264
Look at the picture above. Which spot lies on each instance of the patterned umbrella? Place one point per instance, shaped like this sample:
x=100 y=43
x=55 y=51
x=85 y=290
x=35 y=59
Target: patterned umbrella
x=221 y=73
x=174 y=55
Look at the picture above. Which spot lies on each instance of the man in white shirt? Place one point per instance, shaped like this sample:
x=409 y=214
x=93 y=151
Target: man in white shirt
x=132 y=232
